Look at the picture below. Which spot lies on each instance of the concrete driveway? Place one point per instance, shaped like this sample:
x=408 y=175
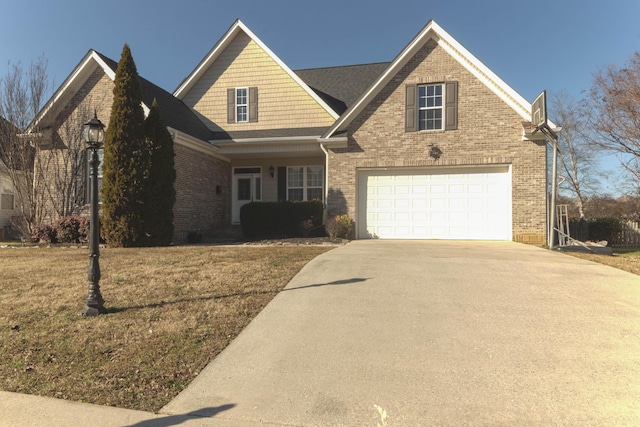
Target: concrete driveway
x=413 y=333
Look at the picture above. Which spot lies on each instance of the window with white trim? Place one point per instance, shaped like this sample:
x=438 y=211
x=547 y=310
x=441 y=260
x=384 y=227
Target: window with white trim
x=242 y=105
x=430 y=107
x=305 y=183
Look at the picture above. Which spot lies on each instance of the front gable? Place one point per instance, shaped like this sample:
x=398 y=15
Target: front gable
x=430 y=37
x=241 y=61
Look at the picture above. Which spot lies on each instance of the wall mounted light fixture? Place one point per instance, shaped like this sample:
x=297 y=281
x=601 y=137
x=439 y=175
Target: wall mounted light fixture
x=435 y=152
x=272 y=171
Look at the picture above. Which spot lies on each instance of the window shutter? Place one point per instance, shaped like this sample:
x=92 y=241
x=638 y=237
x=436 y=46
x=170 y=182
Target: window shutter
x=253 y=104
x=231 y=105
x=282 y=183
x=411 y=108
x=451 y=106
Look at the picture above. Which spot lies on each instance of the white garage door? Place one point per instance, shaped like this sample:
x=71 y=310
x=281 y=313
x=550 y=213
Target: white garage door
x=437 y=203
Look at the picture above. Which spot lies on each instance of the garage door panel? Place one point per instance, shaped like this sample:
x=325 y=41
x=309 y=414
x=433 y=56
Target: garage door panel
x=436 y=204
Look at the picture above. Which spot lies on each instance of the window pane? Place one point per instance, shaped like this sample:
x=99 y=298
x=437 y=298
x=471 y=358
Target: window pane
x=258 y=189
x=314 y=176
x=7 y=201
x=295 y=177
x=242 y=113
x=314 y=194
x=422 y=96
x=296 y=194
x=246 y=170
x=241 y=96
x=244 y=189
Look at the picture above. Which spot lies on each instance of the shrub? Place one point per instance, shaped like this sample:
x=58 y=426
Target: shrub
x=280 y=219
x=45 y=233
x=72 y=229
x=339 y=227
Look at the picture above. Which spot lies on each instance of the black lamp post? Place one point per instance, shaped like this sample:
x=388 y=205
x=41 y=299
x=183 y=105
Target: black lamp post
x=93 y=134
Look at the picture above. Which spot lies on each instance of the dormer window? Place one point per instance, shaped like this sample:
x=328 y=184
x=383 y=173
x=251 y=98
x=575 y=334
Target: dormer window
x=242 y=105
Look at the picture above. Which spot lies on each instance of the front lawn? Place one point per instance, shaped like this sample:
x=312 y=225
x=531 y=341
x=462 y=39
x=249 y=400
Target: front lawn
x=171 y=311
x=624 y=259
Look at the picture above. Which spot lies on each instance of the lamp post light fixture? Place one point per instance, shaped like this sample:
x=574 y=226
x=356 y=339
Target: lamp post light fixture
x=93 y=134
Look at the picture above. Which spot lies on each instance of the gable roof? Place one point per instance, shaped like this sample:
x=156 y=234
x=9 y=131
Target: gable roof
x=220 y=47
x=458 y=52
x=174 y=112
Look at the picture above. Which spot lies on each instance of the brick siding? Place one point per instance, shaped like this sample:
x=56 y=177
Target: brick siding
x=199 y=208
x=489 y=132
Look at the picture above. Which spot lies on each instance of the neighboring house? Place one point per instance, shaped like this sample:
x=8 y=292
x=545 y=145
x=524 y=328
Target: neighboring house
x=7 y=199
x=8 y=202
x=430 y=145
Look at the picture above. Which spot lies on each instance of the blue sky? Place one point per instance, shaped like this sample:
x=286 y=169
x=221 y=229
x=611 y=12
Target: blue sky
x=532 y=45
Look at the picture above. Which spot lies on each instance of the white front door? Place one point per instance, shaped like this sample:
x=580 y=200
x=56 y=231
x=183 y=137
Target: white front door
x=246 y=187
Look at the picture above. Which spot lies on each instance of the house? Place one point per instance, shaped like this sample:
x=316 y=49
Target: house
x=7 y=199
x=432 y=145
x=8 y=202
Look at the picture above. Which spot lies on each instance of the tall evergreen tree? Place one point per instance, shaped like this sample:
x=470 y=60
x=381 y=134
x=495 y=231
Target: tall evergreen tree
x=125 y=159
x=160 y=194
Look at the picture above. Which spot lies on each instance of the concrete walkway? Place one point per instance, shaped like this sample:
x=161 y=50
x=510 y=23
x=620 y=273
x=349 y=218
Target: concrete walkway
x=412 y=333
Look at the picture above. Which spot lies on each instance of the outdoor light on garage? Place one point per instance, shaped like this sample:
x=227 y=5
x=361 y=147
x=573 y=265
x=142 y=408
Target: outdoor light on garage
x=435 y=152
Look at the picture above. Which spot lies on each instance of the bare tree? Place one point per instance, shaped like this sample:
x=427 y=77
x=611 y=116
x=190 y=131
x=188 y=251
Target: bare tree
x=22 y=94
x=578 y=164
x=614 y=113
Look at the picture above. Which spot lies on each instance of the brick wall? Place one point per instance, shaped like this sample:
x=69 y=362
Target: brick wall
x=202 y=193
x=489 y=132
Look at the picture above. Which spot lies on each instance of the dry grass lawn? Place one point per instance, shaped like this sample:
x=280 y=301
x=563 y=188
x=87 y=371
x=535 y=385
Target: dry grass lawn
x=627 y=260
x=171 y=311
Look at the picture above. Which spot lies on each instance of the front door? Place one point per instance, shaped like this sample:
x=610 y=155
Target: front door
x=246 y=187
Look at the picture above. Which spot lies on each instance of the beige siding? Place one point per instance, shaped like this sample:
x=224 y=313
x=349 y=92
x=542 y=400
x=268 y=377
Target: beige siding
x=489 y=132
x=282 y=103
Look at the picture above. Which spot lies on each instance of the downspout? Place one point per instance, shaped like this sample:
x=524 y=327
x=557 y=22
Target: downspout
x=326 y=183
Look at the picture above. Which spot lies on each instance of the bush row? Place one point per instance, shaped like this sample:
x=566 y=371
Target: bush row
x=281 y=219
x=68 y=229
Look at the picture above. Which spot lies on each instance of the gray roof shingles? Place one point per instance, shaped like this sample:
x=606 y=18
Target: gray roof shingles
x=341 y=86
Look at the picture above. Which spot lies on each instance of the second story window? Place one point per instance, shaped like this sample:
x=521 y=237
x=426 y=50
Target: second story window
x=430 y=107
x=242 y=105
